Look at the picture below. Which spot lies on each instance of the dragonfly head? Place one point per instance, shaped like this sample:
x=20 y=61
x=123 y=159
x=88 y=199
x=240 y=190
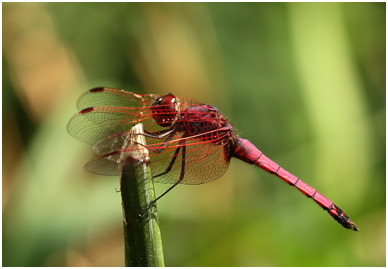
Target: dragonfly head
x=164 y=110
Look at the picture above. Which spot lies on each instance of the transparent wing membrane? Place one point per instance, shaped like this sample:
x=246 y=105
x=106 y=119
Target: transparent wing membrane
x=108 y=114
x=114 y=98
x=205 y=161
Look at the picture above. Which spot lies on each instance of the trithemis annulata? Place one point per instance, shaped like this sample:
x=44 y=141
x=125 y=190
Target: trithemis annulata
x=189 y=142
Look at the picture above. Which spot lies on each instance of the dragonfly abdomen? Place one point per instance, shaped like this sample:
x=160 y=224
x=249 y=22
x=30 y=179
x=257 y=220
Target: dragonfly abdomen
x=246 y=151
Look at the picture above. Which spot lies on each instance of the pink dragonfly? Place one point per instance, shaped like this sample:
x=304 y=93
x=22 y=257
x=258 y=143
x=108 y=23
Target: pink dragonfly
x=188 y=142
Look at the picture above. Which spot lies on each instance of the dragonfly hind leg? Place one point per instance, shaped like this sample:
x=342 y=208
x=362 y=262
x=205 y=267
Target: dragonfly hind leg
x=171 y=163
x=182 y=175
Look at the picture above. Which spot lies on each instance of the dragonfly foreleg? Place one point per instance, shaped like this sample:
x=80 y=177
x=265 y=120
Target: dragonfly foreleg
x=158 y=134
x=164 y=145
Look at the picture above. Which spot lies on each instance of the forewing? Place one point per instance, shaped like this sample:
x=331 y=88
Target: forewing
x=106 y=112
x=105 y=96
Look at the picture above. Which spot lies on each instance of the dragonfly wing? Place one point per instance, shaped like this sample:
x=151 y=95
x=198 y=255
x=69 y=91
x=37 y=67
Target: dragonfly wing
x=114 y=112
x=110 y=153
x=107 y=115
x=107 y=111
x=95 y=124
x=105 y=165
x=114 y=97
x=205 y=161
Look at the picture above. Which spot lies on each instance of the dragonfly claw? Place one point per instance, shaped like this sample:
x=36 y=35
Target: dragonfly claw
x=149 y=209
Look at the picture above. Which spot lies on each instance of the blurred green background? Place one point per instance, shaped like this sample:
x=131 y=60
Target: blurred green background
x=305 y=82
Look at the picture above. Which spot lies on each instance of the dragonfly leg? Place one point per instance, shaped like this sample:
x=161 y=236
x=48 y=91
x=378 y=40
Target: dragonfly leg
x=158 y=134
x=171 y=136
x=163 y=146
x=171 y=163
x=182 y=175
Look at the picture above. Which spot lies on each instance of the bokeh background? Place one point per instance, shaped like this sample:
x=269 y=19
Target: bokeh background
x=305 y=82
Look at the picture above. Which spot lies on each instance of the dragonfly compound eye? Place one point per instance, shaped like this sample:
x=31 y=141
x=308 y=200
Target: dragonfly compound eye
x=164 y=110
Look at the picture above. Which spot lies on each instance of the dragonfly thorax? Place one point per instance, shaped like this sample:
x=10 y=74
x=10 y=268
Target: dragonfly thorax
x=205 y=120
x=165 y=110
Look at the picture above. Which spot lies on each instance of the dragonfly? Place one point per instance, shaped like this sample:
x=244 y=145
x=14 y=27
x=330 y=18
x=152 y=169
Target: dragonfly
x=188 y=142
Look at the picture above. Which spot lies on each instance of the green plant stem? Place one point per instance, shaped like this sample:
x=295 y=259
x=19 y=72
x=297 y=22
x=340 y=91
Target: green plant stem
x=142 y=238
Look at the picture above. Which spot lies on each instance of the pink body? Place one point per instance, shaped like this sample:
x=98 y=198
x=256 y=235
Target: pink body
x=246 y=151
x=188 y=142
